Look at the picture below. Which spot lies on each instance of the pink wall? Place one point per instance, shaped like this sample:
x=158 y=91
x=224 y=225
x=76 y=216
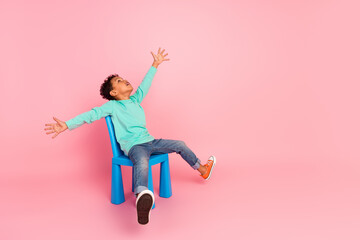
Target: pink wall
x=251 y=82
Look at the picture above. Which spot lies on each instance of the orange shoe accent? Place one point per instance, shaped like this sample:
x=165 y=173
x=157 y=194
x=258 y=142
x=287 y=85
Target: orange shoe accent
x=210 y=165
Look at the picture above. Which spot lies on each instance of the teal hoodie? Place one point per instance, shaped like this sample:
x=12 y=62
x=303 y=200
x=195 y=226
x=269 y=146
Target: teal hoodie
x=128 y=116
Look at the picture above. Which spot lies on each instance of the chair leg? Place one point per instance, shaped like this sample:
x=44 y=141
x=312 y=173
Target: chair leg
x=132 y=181
x=150 y=183
x=117 y=187
x=165 y=180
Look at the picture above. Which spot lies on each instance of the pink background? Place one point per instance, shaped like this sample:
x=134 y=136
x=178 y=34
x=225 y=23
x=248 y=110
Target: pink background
x=271 y=88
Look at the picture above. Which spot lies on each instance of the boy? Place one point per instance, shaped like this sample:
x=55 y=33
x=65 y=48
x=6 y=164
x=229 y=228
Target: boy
x=128 y=118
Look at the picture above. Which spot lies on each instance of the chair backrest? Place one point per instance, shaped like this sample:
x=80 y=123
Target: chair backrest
x=114 y=143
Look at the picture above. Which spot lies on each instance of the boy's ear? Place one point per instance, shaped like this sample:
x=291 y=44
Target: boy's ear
x=112 y=93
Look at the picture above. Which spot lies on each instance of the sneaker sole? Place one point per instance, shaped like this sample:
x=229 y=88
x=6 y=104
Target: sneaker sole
x=211 y=168
x=144 y=204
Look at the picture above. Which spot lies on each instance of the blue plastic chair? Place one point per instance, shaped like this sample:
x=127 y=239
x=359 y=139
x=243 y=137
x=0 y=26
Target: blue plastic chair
x=120 y=159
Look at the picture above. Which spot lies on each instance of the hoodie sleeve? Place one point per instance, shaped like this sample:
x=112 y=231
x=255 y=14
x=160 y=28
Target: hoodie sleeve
x=88 y=117
x=143 y=89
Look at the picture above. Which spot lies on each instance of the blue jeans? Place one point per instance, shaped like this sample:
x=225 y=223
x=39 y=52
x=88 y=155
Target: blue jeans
x=139 y=154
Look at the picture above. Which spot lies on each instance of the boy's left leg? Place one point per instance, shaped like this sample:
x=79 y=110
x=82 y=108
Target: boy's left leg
x=178 y=146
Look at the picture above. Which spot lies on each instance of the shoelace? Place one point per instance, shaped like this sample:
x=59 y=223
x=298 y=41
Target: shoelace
x=207 y=165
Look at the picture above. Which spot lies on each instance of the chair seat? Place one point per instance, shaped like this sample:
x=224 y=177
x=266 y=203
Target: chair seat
x=154 y=159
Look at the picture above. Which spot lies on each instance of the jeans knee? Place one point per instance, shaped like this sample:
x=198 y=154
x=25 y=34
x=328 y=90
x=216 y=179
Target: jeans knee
x=181 y=146
x=142 y=162
x=182 y=143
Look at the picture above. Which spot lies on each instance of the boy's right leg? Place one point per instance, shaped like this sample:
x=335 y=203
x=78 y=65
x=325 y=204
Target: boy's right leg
x=139 y=156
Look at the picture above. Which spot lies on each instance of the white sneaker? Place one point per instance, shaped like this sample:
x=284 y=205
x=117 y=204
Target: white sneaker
x=144 y=203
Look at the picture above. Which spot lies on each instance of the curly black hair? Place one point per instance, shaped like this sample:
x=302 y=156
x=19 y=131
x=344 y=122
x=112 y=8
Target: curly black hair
x=106 y=87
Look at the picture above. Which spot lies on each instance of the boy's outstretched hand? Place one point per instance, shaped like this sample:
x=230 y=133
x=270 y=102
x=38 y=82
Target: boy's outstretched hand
x=159 y=58
x=56 y=128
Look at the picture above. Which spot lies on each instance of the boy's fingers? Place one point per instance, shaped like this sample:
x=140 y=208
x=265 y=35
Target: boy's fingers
x=57 y=120
x=49 y=124
x=50 y=132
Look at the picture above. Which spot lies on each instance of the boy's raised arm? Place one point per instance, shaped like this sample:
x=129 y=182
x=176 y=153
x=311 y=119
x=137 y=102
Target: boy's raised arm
x=144 y=86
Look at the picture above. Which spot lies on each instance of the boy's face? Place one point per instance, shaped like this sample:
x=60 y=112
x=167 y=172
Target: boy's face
x=121 y=88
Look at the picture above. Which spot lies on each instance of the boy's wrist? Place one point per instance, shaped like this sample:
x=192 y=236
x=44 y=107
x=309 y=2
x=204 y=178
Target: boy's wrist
x=155 y=64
